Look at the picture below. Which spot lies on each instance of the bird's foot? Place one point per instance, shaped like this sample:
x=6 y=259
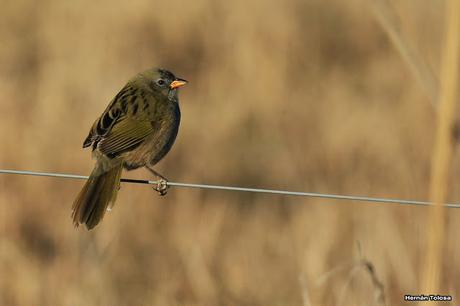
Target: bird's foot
x=161 y=187
x=162 y=184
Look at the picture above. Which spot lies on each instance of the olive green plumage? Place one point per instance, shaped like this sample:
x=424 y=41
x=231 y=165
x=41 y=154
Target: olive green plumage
x=137 y=129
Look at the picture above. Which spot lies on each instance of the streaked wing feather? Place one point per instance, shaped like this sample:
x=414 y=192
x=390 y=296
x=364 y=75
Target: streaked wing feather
x=126 y=134
x=114 y=111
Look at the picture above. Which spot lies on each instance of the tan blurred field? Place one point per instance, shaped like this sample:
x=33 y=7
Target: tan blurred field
x=297 y=95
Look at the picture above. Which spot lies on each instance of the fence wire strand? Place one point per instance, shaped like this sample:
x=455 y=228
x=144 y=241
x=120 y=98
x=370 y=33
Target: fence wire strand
x=242 y=189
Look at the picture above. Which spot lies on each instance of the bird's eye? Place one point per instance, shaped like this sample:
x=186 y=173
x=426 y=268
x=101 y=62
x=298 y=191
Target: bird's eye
x=161 y=82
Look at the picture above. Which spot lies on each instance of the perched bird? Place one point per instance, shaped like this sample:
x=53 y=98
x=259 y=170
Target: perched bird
x=137 y=129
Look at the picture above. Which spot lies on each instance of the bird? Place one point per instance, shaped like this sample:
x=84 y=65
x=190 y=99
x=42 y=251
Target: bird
x=137 y=129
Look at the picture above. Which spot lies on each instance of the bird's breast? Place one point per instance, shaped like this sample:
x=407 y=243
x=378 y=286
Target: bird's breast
x=165 y=126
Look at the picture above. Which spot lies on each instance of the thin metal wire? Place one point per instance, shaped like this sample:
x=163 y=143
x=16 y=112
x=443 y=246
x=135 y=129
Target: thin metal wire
x=242 y=189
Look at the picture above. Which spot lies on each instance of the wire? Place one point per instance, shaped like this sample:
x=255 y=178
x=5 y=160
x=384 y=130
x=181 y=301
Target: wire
x=242 y=189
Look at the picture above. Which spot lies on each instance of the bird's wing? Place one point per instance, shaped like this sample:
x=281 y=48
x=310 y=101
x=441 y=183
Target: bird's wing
x=114 y=111
x=116 y=131
x=126 y=134
x=103 y=125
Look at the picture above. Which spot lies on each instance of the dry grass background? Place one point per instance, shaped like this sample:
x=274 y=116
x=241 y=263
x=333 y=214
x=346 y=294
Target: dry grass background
x=299 y=95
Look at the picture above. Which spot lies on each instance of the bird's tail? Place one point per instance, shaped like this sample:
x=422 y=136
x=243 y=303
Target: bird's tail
x=99 y=192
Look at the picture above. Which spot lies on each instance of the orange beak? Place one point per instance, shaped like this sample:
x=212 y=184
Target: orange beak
x=177 y=83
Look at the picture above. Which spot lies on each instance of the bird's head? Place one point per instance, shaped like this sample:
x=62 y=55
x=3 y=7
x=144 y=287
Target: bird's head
x=163 y=82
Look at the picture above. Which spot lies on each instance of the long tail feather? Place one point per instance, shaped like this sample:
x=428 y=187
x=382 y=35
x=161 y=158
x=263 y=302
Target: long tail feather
x=99 y=191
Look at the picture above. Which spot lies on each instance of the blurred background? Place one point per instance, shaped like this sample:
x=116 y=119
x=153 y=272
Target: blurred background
x=298 y=95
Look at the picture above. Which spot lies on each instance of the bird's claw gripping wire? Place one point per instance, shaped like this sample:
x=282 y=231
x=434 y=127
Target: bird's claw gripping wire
x=161 y=187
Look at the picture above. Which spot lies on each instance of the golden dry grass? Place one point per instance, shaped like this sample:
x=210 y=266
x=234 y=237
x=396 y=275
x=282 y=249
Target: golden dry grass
x=442 y=153
x=300 y=95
